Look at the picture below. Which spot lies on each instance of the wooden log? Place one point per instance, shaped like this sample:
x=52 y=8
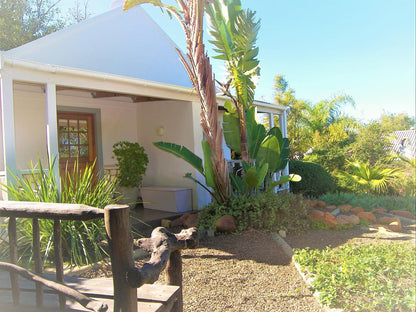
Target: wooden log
x=117 y=225
x=86 y=302
x=13 y=258
x=161 y=244
x=59 y=263
x=54 y=211
x=38 y=260
x=173 y=274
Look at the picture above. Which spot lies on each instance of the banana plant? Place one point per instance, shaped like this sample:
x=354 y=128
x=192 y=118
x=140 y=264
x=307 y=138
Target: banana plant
x=203 y=167
x=264 y=147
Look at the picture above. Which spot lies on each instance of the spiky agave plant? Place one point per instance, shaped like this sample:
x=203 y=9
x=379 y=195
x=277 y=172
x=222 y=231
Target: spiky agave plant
x=81 y=240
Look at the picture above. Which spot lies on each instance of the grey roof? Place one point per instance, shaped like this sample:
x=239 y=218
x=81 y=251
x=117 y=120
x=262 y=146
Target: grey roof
x=122 y=43
x=404 y=143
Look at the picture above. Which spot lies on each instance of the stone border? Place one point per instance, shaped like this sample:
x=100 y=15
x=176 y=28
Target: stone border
x=287 y=249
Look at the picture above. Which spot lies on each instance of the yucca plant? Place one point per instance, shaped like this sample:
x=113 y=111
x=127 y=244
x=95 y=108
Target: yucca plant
x=369 y=179
x=81 y=240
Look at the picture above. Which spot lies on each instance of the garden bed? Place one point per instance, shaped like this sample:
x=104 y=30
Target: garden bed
x=251 y=272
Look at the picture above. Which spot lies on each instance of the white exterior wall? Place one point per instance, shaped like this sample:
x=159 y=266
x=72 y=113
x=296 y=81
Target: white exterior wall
x=177 y=119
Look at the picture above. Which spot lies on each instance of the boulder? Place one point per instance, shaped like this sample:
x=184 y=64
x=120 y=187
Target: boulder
x=379 y=210
x=320 y=204
x=403 y=213
x=386 y=220
x=345 y=208
x=367 y=216
x=356 y=210
x=331 y=207
x=226 y=224
x=313 y=202
x=353 y=219
x=180 y=221
x=316 y=215
x=191 y=221
x=330 y=220
x=343 y=219
x=395 y=226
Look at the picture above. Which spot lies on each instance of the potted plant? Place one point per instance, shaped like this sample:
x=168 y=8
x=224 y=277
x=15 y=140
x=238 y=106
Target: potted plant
x=132 y=162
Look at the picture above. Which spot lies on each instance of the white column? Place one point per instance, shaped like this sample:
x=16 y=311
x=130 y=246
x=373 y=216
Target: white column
x=52 y=127
x=7 y=112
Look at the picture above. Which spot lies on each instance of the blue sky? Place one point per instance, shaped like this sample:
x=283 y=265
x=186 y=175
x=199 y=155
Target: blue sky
x=363 y=48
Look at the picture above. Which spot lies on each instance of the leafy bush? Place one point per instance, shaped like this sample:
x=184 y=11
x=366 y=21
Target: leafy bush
x=132 y=163
x=315 y=179
x=369 y=202
x=265 y=211
x=363 y=278
x=81 y=241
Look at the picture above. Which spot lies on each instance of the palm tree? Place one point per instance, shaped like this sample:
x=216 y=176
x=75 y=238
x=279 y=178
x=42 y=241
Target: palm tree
x=190 y=13
x=370 y=179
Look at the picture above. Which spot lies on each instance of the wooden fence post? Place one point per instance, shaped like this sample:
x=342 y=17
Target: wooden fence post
x=38 y=260
x=13 y=258
x=117 y=225
x=59 y=262
x=174 y=277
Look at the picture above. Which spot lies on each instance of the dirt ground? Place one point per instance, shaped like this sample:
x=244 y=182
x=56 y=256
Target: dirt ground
x=251 y=272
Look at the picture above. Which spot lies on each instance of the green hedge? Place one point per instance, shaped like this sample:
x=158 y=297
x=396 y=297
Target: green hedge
x=315 y=179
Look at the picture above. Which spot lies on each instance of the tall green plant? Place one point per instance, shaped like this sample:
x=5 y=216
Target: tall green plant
x=365 y=178
x=81 y=240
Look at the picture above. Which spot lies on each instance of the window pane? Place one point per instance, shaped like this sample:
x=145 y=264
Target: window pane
x=83 y=138
x=83 y=126
x=63 y=125
x=73 y=125
x=63 y=138
x=64 y=151
x=73 y=138
x=83 y=151
x=74 y=151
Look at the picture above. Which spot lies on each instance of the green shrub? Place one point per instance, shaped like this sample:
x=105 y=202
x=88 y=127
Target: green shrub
x=369 y=202
x=265 y=211
x=81 y=241
x=315 y=179
x=363 y=278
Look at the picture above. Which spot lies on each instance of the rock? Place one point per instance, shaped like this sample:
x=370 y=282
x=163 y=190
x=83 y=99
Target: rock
x=336 y=212
x=316 y=215
x=343 y=219
x=345 y=208
x=403 y=213
x=331 y=207
x=165 y=223
x=353 y=219
x=379 y=210
x=386 y=220
x=356 y=210
x=226 y=224
x=180 y=221
x=313 y=202
x=330 y=220
x=308 y=202
x=191 y=221
x=395 y=226
x=320 y=204
x=282 y=233
x=367 y=216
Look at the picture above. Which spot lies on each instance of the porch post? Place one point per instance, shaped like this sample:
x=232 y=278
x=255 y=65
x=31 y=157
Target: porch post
x=7 y=115
x=283 y=128
x=52 y=127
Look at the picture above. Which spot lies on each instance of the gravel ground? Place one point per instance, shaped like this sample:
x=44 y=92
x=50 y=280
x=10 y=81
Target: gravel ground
x=250 y=271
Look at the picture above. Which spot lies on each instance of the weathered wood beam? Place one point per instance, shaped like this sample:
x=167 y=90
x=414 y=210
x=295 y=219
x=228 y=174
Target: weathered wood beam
x=161 y=244
x=59 y=262
x=90 y=304
x=13 y=258
x=117 y=225
x=54 y=211
x=37 y=259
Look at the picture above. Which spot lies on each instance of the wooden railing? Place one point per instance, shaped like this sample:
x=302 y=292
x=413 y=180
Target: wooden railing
x=165 y=247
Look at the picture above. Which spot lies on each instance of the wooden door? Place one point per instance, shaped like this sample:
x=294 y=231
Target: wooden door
x=76 y=140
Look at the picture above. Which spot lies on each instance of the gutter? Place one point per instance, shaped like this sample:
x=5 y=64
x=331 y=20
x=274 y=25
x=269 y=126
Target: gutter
x=56 y=69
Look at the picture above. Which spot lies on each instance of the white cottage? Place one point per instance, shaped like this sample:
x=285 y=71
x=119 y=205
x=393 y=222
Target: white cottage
x=119 y=76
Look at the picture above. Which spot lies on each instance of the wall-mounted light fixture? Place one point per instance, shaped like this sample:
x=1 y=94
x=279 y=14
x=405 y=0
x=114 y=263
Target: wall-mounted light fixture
x=160 y=131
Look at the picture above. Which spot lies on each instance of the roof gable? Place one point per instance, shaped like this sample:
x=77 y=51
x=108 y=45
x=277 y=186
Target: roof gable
x=126 y=43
